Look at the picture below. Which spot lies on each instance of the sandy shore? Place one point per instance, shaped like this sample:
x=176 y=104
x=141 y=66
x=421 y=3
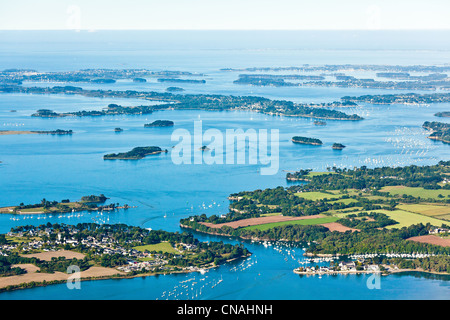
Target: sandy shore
x=9 y=132
x=33 y=276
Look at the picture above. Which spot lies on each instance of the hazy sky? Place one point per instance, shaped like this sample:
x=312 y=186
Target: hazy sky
x=224 y=14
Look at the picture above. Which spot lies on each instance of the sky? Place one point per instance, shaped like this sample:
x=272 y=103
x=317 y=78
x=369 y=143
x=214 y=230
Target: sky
x=224 y=15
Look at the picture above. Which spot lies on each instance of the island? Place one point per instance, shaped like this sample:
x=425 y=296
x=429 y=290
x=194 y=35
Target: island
x=174 y=89
x=139 y=80
x=181 y=80
x=159 y=123
x=118 y=129
x=274 y=80
x=339 y=68
x=86 y=203
x=204 y=148
x=445 y=114
x=44 y=255
x=111 y=109
x=171 y=101
x=382 y=219
x=338 y=146
x=103 y=81
x=398 y=77
x=304 y=140
x=401 y=98
x=18 y=76
x=135 y=154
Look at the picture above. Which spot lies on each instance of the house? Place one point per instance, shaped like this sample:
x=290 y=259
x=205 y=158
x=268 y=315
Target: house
x=349 y=265
x=372 y=267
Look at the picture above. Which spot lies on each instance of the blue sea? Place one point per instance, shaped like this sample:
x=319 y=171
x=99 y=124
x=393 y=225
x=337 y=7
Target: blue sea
x=60 y=167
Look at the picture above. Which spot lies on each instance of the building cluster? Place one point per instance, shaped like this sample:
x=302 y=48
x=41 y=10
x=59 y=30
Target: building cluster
x=342 y=267
x=105 y=245
x=439 y=230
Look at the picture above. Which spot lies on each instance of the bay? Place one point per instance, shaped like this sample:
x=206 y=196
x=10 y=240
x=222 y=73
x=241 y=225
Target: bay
x=60 y=167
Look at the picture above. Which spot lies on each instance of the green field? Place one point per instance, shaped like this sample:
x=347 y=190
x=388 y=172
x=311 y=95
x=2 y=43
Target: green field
x=445 y=217
x=316 y=195
x=405 y=218
x=312 y=173
x=271 y=214
x=305 y=222
x=162 y=246
x=344 y=201
x=426 y=209
x=417 y=192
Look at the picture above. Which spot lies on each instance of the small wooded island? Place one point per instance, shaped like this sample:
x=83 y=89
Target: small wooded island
x=174 y=89
x=135 y=154
x=337 y=146
x=304 y=140
x=204 y=148
x=159 y=123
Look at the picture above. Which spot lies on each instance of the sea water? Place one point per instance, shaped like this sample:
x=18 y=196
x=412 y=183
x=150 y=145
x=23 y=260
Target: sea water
x=68 y=167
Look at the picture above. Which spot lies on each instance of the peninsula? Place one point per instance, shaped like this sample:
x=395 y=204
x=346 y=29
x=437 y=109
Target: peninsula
x=396 y=217
x=439 y=131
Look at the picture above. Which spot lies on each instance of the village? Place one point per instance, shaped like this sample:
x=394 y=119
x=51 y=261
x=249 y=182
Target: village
x=40 y=241
x=128 y=251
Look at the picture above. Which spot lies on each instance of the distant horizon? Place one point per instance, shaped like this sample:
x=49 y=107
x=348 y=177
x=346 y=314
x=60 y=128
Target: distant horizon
x=235 y=30
x=225 y=15
x=227 y=39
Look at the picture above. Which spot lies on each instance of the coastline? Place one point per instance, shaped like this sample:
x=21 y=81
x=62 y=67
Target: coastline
x=390 y=271
x=115 y=274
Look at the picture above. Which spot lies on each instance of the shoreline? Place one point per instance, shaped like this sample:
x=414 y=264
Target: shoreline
x=117 y=275
x=384 y=273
